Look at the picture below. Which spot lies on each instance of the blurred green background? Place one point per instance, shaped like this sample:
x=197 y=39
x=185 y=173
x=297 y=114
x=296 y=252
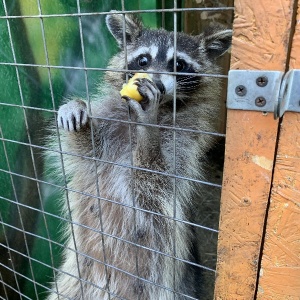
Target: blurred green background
x=31 y=224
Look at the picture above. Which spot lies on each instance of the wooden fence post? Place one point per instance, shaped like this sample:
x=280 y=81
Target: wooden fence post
x=280 y=267
x=260 y=42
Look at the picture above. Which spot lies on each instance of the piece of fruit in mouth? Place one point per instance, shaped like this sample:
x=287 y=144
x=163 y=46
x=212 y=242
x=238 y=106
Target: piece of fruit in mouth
x=130 y=89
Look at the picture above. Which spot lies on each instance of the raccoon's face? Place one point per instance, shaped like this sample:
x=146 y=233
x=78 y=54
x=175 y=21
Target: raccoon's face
x=153 y=51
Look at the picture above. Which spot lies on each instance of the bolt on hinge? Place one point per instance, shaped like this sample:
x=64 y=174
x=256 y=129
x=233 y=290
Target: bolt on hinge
x=265 y=91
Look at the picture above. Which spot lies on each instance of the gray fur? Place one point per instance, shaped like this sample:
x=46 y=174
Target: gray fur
x=140 y=204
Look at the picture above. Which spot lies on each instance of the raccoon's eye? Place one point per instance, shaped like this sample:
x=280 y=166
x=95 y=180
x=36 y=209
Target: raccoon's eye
x=143 y=61
x=180 y=65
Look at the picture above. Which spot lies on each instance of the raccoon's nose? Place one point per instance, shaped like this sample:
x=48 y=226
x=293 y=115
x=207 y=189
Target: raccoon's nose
x=160 y=86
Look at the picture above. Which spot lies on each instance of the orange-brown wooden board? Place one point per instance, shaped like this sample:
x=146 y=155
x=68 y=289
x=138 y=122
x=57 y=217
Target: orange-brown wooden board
x=251 y=139
x=261 y=36
x=280 y=267
x=295 y=53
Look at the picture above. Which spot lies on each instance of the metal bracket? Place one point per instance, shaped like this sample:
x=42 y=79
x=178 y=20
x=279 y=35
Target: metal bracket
x=265 y=91
x=253 y=90
x=289 y=95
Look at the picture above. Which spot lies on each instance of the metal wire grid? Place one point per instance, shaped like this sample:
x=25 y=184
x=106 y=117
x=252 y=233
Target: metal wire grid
x=39 y=182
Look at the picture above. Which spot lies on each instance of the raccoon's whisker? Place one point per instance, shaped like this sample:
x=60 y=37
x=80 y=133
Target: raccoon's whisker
x=190 y=83
x=187 y=81
x=187 y=86
x=182 y=101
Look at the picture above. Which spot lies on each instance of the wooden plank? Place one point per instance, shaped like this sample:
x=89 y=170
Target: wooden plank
x=295 y=54
x=280 y=267
x=261 y=35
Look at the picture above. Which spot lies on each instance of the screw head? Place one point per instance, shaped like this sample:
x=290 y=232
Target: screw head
x=260 y=101
x=241 y=90
x=262 y=81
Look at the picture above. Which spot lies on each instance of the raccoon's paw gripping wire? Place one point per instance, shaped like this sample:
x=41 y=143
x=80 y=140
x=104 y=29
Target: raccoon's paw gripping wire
x=72 y=116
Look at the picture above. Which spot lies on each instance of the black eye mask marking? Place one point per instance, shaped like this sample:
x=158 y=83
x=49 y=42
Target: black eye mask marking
x=142 y=62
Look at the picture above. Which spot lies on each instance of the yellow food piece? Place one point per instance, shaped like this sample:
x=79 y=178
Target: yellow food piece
x=130 y=89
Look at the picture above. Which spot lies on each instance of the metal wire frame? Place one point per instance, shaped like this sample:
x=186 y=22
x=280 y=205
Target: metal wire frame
x=96 y=260
x=32 y=158
x=92 y=229
x=114 y=163
x=72 y=223
x=138 y=11
x=100 y=198
x=31 y=146
x=107 y=234
x=85 y=255
x=109 y=69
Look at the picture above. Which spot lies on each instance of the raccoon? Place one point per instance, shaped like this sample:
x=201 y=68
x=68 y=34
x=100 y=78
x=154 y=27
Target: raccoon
x=134 y=167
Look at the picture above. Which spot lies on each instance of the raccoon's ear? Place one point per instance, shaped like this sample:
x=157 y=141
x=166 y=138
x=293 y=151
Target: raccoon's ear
x=133 y=27
x=217 y=41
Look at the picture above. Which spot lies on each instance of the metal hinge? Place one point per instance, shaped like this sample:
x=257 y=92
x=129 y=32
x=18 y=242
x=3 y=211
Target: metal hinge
x=265 y=91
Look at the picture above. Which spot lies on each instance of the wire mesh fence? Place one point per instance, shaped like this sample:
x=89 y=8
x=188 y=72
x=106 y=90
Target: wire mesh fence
x=51 y=52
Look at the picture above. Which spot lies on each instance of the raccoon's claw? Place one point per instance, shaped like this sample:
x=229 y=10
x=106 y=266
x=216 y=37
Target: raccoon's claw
x=146 y=110
x=72 y=116
x=126 y=98
x=149 y=90
x=151 y=94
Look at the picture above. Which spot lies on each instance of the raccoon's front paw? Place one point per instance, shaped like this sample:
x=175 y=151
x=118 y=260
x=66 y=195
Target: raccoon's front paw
x=72 y=116
x=146 y=110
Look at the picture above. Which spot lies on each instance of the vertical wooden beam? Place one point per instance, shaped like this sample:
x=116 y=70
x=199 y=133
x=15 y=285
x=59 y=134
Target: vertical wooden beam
x=280 y=267
x=261 y=38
